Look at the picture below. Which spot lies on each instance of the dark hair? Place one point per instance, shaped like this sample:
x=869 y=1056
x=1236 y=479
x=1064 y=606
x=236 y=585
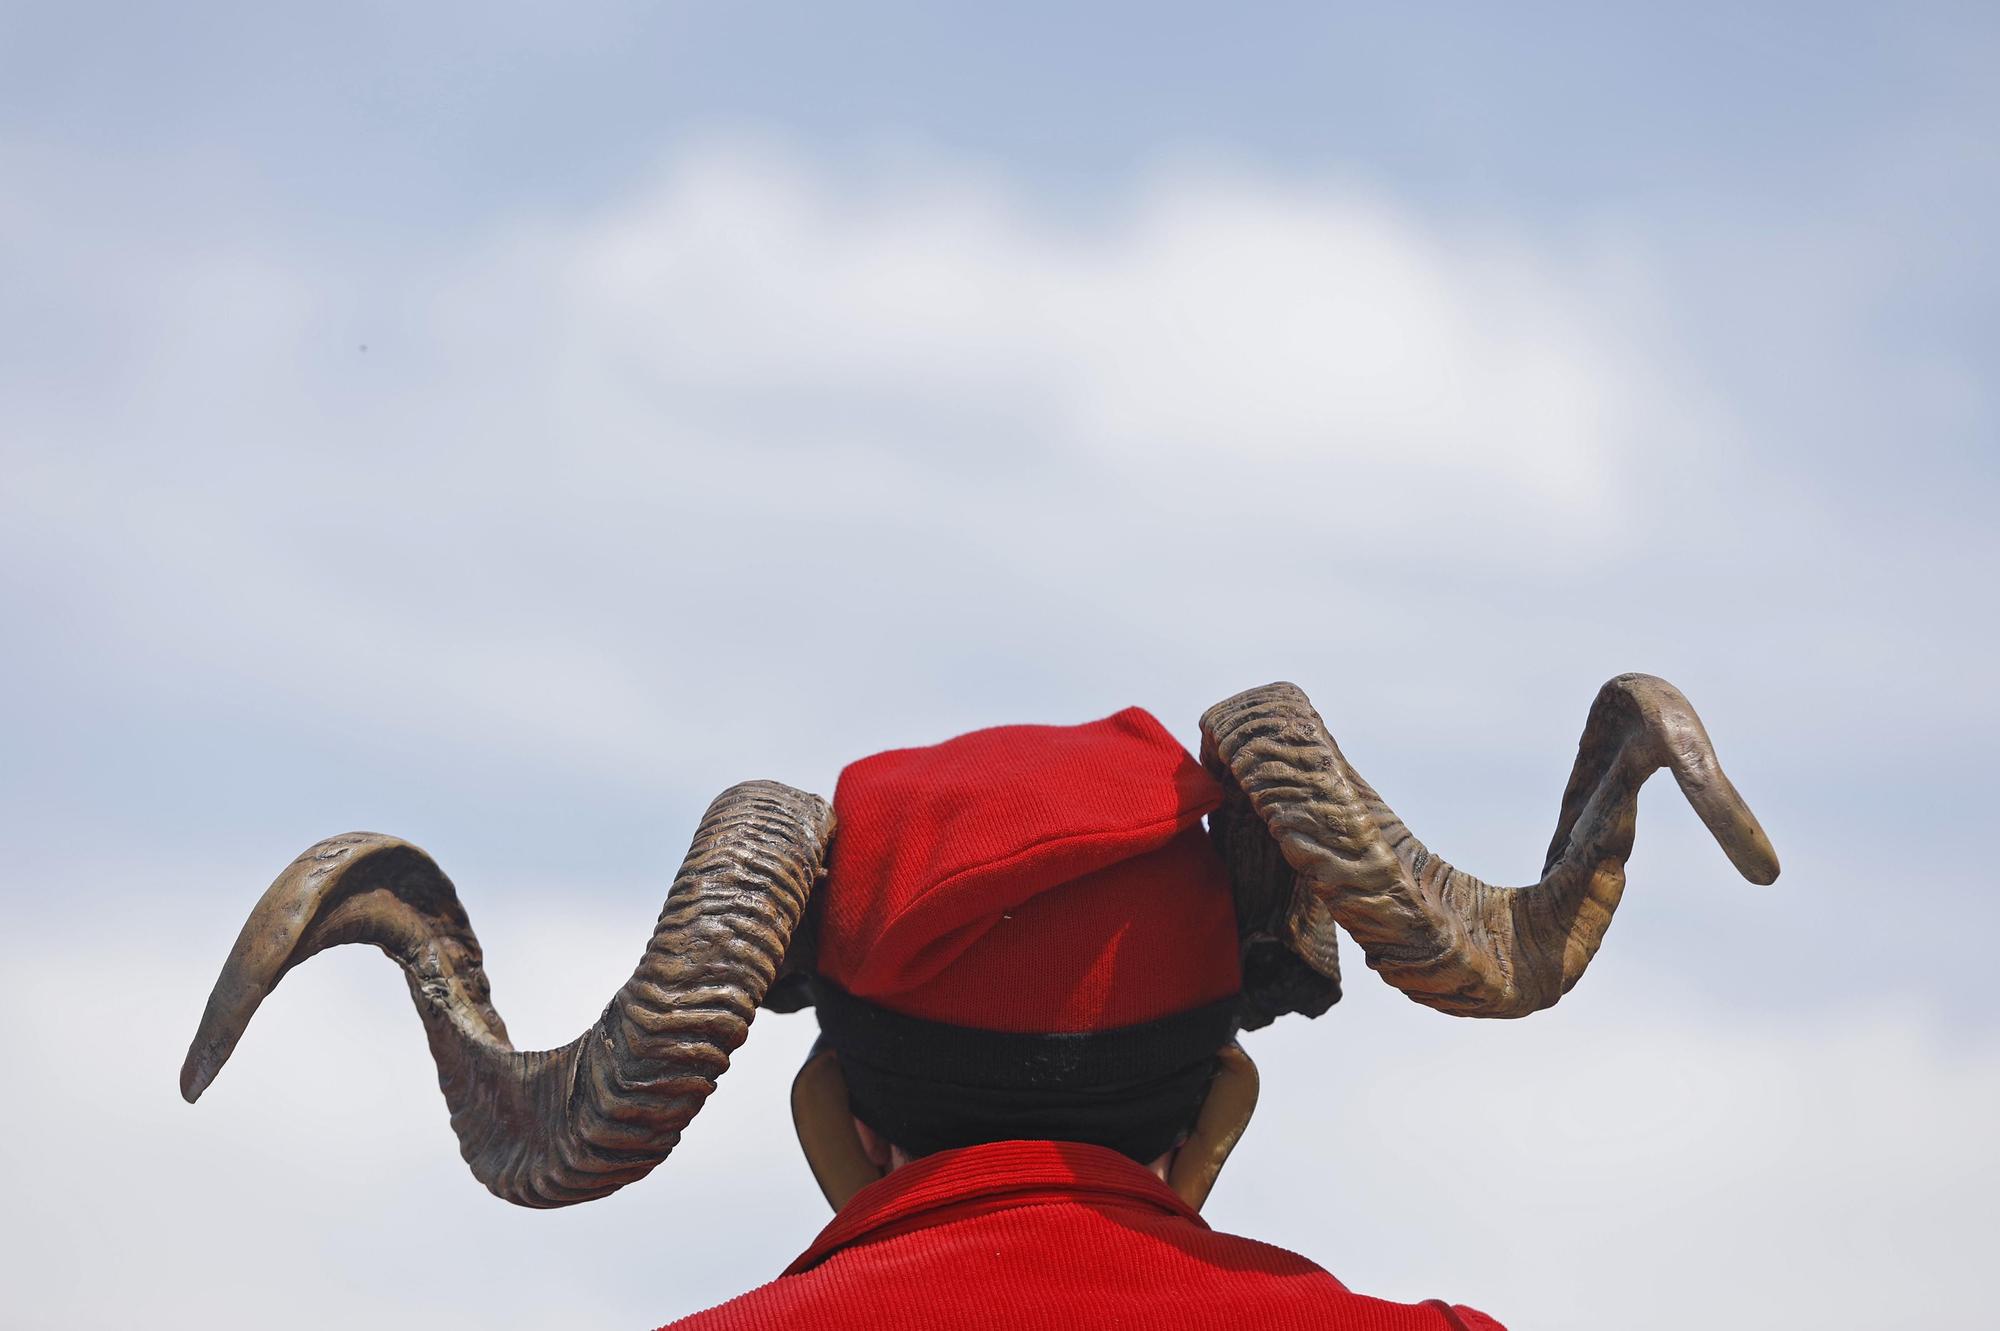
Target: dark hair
x=928 y=1086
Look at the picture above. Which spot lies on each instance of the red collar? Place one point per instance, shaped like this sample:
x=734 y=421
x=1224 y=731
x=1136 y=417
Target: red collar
x=976 y=1180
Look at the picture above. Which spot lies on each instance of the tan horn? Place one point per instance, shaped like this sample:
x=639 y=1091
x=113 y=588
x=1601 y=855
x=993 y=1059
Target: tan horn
x=1443 y=937
x=566 y=1125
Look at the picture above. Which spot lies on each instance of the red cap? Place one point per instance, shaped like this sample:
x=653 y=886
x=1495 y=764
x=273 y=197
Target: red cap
x=1032 y=879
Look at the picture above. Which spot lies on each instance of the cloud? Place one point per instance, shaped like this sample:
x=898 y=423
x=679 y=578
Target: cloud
x=1640 y=1157
x=906 y=411
x=1213 y=316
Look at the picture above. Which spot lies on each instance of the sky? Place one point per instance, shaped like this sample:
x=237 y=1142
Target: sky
x=505 y=428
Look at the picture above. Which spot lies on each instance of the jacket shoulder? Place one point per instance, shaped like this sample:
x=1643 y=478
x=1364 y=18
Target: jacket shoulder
x=789 y=1302
x=1343 y=1306
x=758 y=1308
x=1018 y=1274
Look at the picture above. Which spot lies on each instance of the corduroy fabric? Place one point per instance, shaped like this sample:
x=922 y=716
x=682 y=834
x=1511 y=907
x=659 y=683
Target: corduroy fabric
x=1050 y=1236
x=1030 y=878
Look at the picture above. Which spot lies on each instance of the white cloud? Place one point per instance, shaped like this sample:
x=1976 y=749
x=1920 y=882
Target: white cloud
x=1641 y=1158
x=1213 y=317
x=806 y=409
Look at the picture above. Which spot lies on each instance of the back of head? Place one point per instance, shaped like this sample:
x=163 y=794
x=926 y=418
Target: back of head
x=1026 y=934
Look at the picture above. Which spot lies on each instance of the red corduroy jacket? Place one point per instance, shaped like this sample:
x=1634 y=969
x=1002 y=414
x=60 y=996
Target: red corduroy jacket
x=1027 y=1236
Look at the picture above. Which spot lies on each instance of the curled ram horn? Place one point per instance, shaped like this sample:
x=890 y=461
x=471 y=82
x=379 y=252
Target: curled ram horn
x=557 y=1126
x=1443 y=937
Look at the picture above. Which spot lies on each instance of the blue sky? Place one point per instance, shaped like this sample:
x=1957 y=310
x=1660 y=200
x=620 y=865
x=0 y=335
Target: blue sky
x=505 y=429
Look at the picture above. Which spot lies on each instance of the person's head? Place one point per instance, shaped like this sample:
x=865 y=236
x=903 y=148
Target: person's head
x=1025 y=933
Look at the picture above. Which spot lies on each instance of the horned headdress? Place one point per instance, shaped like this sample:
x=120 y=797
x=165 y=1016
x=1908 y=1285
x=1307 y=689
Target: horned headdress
x=1307 y=844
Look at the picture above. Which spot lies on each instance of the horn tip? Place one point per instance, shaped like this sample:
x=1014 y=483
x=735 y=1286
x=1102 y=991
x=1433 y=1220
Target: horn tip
x=196 y=1074
x=1757 y=861
x=210 y=1049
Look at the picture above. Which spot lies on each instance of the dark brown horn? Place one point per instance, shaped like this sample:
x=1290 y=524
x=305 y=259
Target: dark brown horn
x=562 y=1125
x=1443 y=937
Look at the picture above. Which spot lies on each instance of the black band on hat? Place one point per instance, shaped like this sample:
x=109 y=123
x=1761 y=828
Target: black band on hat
x=929 y=1086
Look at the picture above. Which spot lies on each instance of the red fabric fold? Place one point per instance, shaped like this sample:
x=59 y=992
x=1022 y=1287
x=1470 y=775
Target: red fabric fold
x=1030 y=878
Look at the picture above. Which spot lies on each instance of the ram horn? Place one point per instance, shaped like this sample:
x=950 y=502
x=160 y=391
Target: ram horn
x=566 y=1125
x=1445 y=938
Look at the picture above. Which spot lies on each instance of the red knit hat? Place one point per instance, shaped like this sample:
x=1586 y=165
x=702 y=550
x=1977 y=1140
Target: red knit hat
x=1030 y=879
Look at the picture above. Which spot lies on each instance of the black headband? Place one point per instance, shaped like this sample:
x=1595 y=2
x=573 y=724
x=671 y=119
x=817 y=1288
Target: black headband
x=928 y=1086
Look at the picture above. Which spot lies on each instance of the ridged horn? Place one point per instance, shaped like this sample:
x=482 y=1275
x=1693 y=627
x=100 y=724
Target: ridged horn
x=1445 y=938
x=566 y=1125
